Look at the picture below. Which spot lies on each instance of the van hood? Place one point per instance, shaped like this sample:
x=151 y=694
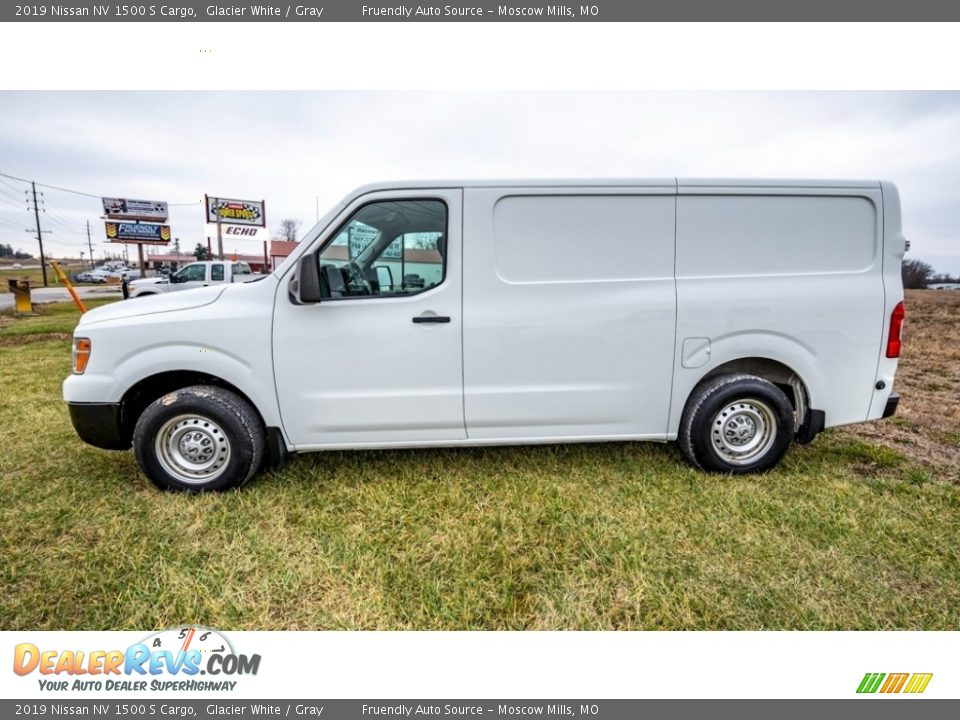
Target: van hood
x=152 y=305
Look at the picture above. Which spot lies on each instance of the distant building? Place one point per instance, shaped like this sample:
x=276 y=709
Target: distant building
x=280 y=250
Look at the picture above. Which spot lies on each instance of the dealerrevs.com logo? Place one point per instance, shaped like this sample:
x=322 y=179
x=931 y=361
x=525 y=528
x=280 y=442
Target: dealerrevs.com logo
x=910 y=683
x=169 y=660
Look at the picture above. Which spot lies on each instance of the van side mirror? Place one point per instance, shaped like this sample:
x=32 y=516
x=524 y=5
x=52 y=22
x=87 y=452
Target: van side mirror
x=308 y=279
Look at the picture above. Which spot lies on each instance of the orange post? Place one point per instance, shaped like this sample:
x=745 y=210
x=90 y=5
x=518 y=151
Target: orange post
x=66 y=281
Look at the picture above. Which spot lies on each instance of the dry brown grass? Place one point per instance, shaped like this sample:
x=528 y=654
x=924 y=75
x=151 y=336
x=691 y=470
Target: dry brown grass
x=926 y=427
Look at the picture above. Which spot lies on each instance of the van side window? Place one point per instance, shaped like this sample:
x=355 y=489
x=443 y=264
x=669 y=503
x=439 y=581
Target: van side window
x=216 y=272
x=386 y=248
x=583 y=238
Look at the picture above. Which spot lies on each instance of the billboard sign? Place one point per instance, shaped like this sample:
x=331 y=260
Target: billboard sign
x=238 y=232
x=126 y=209
x=148 y=233
x=236 y=212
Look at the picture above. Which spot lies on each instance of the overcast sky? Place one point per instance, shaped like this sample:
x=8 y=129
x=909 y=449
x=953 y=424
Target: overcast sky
x=293 y=148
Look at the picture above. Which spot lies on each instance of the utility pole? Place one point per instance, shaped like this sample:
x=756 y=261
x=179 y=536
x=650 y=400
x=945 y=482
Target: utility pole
x=90 y=244
x=219 y=237
x=206 y=205
x=36 y=216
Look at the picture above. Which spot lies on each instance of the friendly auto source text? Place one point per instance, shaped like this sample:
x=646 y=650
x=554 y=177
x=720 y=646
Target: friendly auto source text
x=409 y=11
x=548 y=709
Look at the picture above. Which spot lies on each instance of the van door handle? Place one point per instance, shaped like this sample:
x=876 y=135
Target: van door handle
x=431 y=319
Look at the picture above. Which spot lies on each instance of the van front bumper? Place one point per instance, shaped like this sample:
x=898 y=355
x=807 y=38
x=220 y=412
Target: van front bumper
x=891 y=406
x=98 y=424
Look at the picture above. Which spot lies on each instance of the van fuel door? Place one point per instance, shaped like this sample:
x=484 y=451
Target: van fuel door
x=695 y=352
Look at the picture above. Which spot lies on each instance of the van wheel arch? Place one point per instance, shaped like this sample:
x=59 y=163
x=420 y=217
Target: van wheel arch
x=140 y=395
x=781 y=375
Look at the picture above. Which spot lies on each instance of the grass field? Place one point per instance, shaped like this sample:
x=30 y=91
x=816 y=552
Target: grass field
x=35 y=275
x=860 y=530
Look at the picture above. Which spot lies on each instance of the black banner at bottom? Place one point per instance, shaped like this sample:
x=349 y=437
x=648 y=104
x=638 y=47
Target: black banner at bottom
x=867 y=708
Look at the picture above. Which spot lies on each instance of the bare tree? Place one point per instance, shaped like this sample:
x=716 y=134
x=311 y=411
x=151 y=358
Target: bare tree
x=288 y=229
x=916 y=274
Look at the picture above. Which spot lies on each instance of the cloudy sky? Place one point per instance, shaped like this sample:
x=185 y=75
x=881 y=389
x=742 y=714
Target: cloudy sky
x=294 y=149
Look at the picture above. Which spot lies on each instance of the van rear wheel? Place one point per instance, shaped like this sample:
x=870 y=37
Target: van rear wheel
x=736 y=424
x=199 y=438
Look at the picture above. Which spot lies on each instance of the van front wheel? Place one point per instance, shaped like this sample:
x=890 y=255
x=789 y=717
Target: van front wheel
x=736 y=424
x=199 y=438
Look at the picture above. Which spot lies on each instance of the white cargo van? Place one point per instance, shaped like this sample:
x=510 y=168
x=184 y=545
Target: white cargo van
x=733 y=316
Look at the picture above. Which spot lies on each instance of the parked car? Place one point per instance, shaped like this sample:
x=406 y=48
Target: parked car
x=413 y=281
x=733 y=317
x=97 y=275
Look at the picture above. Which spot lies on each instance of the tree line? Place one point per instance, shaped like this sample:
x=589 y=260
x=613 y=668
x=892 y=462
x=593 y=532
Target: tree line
x=917 y=275
x=7 y=251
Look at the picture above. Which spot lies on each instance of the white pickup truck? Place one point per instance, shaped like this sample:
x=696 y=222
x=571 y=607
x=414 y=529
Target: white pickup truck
x=194 y=275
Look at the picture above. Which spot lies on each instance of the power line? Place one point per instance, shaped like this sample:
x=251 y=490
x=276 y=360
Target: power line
x=6 y=163
x=11 y=186
x=13 y=204
x=81 y=192
x=12 y=196
x=62 y=222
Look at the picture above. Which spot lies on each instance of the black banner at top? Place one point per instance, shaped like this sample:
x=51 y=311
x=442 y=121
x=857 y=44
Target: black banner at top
x=485 y=11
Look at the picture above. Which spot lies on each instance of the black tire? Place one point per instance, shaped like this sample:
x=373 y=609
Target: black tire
x=199 y=438
x=736 y=424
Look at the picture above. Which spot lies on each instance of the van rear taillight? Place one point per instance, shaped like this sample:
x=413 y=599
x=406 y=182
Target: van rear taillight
x=896 y=325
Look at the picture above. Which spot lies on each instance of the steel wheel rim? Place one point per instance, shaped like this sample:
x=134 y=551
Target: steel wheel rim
x=192 y=448
x=743 y=431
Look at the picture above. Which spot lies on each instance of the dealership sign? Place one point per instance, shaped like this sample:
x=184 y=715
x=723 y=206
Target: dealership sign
x=236 y=212
x=149 y=233
x=126 y=209
x=360 y=236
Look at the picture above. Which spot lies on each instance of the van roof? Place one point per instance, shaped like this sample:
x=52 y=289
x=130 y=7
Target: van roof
x=623 y=182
